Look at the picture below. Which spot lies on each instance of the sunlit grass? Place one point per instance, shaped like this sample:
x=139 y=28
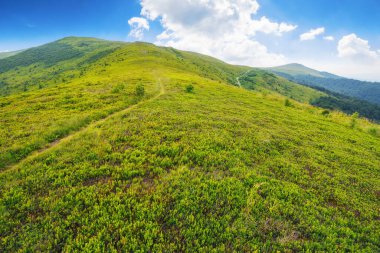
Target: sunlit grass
x=218 y=169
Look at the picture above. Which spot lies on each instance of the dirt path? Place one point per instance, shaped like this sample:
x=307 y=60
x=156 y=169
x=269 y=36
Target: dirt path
x=238 y=78
x=83 y=129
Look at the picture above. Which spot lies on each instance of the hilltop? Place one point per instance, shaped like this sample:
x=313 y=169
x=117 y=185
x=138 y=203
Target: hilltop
x=111 y=146
x=296 y=69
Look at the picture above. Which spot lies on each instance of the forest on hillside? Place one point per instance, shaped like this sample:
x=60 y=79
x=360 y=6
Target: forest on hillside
x=369 y=91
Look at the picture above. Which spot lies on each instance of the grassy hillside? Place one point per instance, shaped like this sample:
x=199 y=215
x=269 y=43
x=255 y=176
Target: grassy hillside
x=51 y=64
x=346 y=104
x=264 y=81
x=88 y=88
x=215 y=169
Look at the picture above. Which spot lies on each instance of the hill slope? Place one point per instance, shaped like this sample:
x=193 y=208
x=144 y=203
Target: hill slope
x=8 y=54
x=295 y=69
x=367 y=91
x=90 y=83
x=264 y=81
x=217 y=169
x=51 y=64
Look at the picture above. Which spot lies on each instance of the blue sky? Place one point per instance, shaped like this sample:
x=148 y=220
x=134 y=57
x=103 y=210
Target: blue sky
x=26 y=23
x=249 y=32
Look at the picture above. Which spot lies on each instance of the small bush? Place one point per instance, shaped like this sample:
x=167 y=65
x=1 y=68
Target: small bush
x=140 y=90
x=189 y=88
x=373 y=131
x=326 y=113
x=118 y=88
x=288 y=103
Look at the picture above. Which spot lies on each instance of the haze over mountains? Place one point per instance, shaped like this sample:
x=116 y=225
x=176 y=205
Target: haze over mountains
x=369 y=91
x=8 y=54
x=130 y=147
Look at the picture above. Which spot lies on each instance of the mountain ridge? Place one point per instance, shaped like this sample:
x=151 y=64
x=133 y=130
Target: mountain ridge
x=368 y=91
x=295 y=69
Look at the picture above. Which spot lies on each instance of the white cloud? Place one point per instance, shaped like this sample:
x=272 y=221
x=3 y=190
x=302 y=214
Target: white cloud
x=264 y=25
x=222 y=28
x=286 y=27
x=312 y=34
x=351 y=46
x=329 y=38
x=357 y=59
x=138 y=25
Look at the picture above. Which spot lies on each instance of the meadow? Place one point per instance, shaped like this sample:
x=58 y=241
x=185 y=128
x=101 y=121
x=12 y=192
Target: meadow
x=216 y=168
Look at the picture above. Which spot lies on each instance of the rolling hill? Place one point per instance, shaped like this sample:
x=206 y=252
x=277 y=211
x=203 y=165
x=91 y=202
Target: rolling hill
x=109 y=147
x=261 y=80
x=368 y=91
x=295 y=69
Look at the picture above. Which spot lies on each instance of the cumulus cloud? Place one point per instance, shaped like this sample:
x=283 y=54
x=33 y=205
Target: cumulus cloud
x=264 y=25
x=221 y=28
x=329 y=38
x=351 y=46
x=358 y=58
x=138 y=25
x=312 y=34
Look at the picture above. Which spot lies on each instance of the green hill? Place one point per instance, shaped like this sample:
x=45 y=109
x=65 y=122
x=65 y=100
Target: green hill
x=264 y=81
x=78 y=80
x=295 y=69
x=51 y=64
x=367 y=91
x=8 y=54
x=149 y=149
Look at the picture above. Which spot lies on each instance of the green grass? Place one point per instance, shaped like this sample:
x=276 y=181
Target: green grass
x=52 y=64
x=95 y=86
x=266 y=82
x=216 y=169
x=33 y=119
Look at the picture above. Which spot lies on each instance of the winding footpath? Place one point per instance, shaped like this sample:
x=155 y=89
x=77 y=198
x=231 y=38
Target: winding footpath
x=83 y=129
x=238 y=78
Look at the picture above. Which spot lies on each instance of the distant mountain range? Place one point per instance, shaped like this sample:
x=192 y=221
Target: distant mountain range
x=4 y=55
x=368 y=91
x=295 y=69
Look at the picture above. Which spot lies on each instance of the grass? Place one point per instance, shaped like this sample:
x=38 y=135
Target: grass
x=34 y=119
x=91 y=91
x=266 y=82
x=217 y=169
